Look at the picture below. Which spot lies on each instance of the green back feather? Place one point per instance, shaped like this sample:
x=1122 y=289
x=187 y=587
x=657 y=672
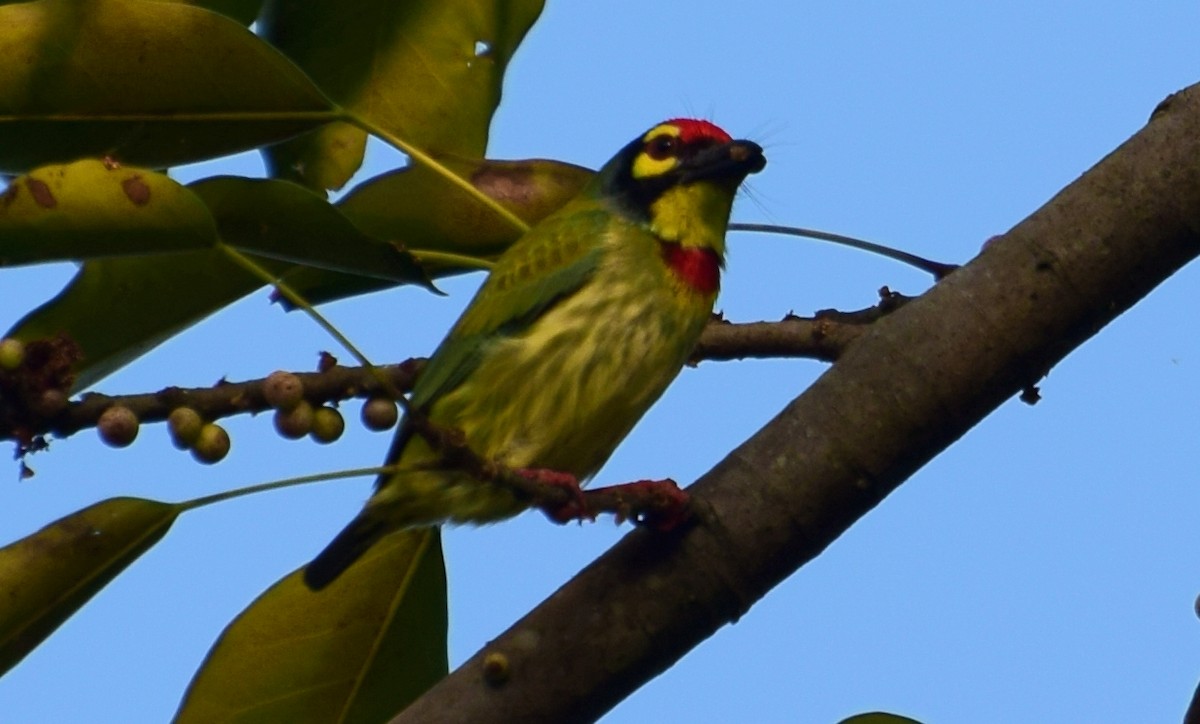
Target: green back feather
x=549 y=263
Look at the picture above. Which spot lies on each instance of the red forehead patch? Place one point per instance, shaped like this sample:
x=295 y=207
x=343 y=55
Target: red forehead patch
x=692 y=129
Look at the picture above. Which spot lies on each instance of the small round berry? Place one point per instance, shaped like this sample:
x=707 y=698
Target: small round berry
x=283 y=390
x=118 y=426
x=212 y=445
x=12 y=353
x=327 y=425
x=184 y=424
x=379 y=414
x=296 y=422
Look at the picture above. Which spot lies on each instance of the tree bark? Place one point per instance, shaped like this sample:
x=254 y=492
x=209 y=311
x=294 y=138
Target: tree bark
x=914 y=383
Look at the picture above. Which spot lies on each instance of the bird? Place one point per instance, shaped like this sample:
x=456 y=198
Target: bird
x=578 y=329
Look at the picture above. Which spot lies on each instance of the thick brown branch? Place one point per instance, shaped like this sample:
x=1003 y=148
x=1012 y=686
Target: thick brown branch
x=905 y=390
x=1192 y=715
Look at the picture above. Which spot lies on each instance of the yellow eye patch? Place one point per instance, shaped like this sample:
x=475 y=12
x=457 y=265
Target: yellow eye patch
x=659 y=147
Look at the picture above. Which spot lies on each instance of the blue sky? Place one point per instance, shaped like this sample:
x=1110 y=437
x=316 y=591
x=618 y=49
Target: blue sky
x=1042 y=569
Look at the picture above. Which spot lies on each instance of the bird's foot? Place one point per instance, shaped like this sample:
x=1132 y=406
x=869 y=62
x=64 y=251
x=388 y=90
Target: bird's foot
x=575 y=508
x=657 y=504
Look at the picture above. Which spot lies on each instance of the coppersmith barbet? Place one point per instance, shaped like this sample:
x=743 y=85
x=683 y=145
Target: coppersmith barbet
x=577 y=331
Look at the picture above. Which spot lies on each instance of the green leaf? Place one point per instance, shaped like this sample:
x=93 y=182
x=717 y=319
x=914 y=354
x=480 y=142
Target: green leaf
x=119 y=309
x=421 y=211
x=282 y=220
x=319 y=286
x=428 y=71
x=90 y=209
x=46 y=577
x=150 y=83
x=359 y=651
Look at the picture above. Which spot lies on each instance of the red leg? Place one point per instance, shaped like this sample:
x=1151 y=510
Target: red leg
x=574 y=509
x=658 y=504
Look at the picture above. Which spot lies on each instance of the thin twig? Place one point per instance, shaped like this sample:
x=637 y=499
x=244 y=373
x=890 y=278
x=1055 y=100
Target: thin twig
x=936 y=268
x=822 y=337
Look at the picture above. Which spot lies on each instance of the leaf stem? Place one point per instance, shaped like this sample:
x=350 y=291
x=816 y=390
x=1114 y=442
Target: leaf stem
x=937 y=269
x=295 y=298
x=301 y=303
x=451 y=259
x=284 y=483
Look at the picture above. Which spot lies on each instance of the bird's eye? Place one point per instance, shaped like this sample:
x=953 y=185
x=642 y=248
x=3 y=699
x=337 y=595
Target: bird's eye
x=662 y=147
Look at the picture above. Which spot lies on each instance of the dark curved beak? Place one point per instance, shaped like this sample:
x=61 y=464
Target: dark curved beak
x=732 y=161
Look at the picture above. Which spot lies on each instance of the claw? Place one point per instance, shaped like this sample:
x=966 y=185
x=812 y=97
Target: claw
x=657 y=504
x=574 y=509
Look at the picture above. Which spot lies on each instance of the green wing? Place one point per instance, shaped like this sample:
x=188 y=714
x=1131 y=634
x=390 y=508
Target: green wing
x=550 y=262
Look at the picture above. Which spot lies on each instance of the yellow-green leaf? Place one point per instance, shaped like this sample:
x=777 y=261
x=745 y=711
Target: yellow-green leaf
x=319 y=286
x=90 y=209
x=428 y=71
x=285 y=221
x=358 y=651
x=149 y=83
x=243 y=11
x=46 y=577
x=422 y=210
x=436 y=220
x=119 y=309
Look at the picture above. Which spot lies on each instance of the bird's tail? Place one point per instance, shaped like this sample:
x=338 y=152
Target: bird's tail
x=345 y=549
